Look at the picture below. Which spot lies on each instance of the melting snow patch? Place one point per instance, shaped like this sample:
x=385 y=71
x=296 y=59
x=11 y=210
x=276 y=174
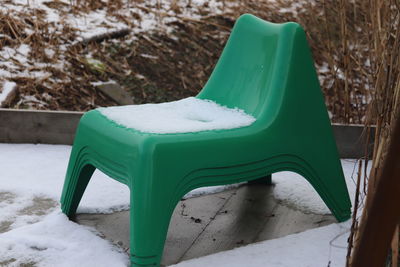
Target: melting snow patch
x=295 y=191
x=324 y=246
x=182 y=116
x=56 y=241
x=7 y=88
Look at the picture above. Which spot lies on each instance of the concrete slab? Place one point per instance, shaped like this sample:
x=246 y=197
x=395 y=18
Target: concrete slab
x=200 y=226
x=208 y=224
x=238 y=223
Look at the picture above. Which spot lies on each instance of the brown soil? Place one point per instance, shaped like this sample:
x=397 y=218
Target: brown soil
x=158 y=66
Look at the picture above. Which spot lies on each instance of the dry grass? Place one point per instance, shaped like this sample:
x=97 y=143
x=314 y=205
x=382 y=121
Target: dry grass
x=184 y=50
x=383 y=35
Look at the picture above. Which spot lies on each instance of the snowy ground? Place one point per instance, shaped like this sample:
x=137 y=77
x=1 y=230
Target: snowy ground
x=33 y=230
x=320 y=247
x=39 y=45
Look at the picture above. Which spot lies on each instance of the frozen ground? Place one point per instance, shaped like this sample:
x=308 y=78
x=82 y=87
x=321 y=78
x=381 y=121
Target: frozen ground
x=33 y=230
x=37 y=37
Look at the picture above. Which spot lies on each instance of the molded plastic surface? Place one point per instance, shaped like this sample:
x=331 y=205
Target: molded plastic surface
x=265 y=69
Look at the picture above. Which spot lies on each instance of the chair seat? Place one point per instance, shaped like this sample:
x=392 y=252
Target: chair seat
x=186 y=115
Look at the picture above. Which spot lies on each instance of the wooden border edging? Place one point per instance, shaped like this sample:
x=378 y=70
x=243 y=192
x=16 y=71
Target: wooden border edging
x=351 y=139
x=36 y=126
x=58 y=127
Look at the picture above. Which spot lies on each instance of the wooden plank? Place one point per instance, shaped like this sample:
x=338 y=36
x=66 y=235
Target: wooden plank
x=351 y=140
x=28 y=126
x=58 y=127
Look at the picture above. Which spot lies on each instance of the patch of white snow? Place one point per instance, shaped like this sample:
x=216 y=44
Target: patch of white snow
x=57 y=241
x=324 y=246
x=7 y=88
x=182 y=116
x=295 y=191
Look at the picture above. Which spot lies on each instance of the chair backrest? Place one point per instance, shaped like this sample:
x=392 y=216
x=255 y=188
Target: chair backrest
x=253 y=66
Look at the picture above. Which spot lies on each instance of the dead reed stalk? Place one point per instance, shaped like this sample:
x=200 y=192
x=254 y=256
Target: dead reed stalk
x=383 y=26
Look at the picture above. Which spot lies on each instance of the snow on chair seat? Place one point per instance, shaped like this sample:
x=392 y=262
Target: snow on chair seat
x=186 y=115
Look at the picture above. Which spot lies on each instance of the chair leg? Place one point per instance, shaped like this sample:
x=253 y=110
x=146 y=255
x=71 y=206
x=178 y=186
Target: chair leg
x=328 y=180
x=76 y=180
x=149 y=220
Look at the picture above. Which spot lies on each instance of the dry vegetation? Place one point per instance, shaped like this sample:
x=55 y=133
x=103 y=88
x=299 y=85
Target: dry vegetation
x=174 y=58
x=382 y=33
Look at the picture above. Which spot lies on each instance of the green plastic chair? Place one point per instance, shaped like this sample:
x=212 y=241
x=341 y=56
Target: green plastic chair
x=266 y=70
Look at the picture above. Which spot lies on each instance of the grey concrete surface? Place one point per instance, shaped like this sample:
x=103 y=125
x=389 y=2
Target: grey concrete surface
x=208 y=224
